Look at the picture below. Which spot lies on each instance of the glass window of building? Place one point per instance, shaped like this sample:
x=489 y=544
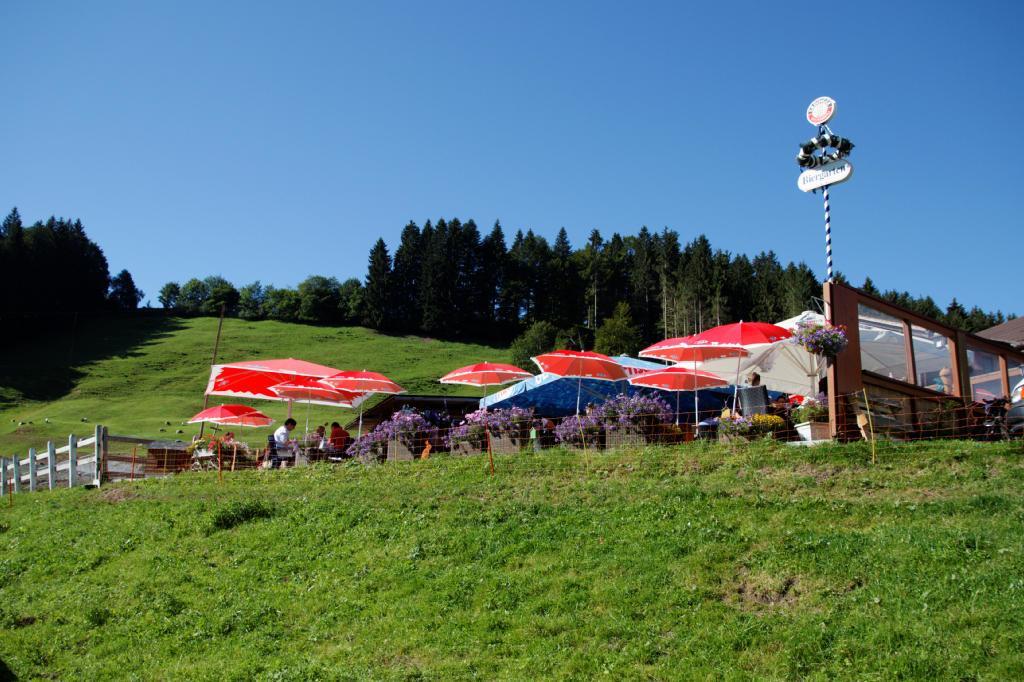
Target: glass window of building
x=985 y=375
x=932 y=360
x=881 y=344
x=1016 y=371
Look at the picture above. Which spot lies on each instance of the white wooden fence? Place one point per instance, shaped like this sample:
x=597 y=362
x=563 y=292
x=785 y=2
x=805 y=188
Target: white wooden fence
x=83 y=461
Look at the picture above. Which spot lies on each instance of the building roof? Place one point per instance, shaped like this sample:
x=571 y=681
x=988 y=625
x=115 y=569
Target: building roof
x=453 y=404
x=1011 y=332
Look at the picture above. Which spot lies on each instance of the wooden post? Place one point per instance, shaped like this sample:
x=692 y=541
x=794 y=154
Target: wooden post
x=72 y=461
x=17 y=474
x=234 y=456
x=51 y=464
x=31 y=470
x=132 y=476
x=97 y=450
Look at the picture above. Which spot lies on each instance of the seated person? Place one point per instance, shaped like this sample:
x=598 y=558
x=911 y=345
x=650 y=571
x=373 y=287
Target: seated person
x=753 y=379
x=228 y=439
x=319 y=439
x=284 y=445
x=944 y=381
x=339 y=437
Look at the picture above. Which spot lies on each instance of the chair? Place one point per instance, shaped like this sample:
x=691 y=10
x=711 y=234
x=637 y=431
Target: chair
x=753 y=400
x=276 y=460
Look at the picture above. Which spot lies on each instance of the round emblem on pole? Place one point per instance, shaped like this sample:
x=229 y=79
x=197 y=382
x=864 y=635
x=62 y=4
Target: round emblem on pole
x=821 y=111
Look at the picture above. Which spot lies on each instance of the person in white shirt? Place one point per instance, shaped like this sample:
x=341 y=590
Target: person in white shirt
x=283 y=442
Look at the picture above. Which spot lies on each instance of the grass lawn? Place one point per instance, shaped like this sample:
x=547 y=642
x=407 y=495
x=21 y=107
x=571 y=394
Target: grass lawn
x=134 y=375
x=766 y=562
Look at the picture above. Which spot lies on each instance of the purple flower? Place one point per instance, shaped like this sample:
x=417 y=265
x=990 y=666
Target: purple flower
x=821 y=339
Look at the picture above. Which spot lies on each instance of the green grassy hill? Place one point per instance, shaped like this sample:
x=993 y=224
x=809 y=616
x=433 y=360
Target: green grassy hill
x=135 y=374
x=685 y=563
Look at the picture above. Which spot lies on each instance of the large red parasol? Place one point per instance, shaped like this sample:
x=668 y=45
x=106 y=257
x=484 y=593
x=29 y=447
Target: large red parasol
x=582 y=364
x=254 y=378
x=232 y=415
x=742 y=334
x=683 y=349
x=677 y=378
x=485 y=374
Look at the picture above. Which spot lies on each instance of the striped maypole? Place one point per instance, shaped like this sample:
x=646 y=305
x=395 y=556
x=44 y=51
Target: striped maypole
x=828 y=235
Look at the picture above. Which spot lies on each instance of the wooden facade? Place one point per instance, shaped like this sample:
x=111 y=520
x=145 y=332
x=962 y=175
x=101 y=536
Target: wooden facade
x=847 y=377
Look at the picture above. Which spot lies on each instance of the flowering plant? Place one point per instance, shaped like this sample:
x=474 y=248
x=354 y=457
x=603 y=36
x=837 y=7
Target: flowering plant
x=766 y=423
x=409 y=427
x=821 y=339
x=811 y=410
x=573 y=430
x=735 y=425
x=625 y=411
x=512 y=422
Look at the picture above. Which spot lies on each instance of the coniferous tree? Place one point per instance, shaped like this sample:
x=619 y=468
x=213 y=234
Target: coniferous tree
x=377 y=293
x=406 y=280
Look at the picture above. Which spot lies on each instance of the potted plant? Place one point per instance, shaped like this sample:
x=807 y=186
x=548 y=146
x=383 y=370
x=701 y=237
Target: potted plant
x=629 y=420
x=766 y=425
x=583 y=430
x=811 y=421
x=735 y=428
x=821 y=339
x=401 y=438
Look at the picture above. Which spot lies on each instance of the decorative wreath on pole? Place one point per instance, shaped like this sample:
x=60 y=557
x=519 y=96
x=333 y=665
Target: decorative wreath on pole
x=840 y=146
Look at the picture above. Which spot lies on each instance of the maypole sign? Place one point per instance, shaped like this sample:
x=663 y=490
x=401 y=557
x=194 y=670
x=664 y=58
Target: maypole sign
x=829 y=174
x=824 y=159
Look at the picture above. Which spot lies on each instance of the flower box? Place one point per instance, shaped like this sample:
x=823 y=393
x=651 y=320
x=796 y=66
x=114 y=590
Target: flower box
x=813 y=431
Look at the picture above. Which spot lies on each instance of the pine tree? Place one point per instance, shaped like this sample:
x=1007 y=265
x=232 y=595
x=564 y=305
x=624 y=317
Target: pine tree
x=406 y=279
x=377 y=292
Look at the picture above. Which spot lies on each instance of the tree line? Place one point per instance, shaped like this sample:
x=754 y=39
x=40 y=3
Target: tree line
x=52 y=266
x=446 y=279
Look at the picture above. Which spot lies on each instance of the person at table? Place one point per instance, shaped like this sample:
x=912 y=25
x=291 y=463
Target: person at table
x=753 y=379
x=319 y=439
x=283 y=442
x=339 y=437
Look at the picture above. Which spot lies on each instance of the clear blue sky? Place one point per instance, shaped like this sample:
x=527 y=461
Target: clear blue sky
x=276 y=140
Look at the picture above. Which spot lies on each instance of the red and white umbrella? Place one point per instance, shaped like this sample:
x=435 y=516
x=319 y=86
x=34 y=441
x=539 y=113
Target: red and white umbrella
x=678 y=378
x=485 y=374
x=581 y=364
x=684 y=349
x=232 y=415
x=254 y=378
x=742 y=334
x=365 y=382
x=308 y=390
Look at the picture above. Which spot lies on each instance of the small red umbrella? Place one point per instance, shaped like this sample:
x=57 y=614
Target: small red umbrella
x=485 y=374
x=581 y=364
x=365 y=382
x=232 y=415
x=677 y=378
x=311 y=390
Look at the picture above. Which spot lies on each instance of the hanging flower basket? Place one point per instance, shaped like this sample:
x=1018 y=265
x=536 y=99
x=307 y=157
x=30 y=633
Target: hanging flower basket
x=821 y=339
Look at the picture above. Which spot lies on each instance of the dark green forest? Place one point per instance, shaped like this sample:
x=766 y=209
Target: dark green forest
x=446 y=279
x=52 y=267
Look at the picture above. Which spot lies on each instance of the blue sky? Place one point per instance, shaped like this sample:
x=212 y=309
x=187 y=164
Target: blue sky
x=276 y=140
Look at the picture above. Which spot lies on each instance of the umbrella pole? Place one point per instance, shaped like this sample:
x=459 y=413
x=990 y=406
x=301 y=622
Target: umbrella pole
x=696 y=400
x=579 y=389
x=360 y=432
x=736 y=386
x=487 y=432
